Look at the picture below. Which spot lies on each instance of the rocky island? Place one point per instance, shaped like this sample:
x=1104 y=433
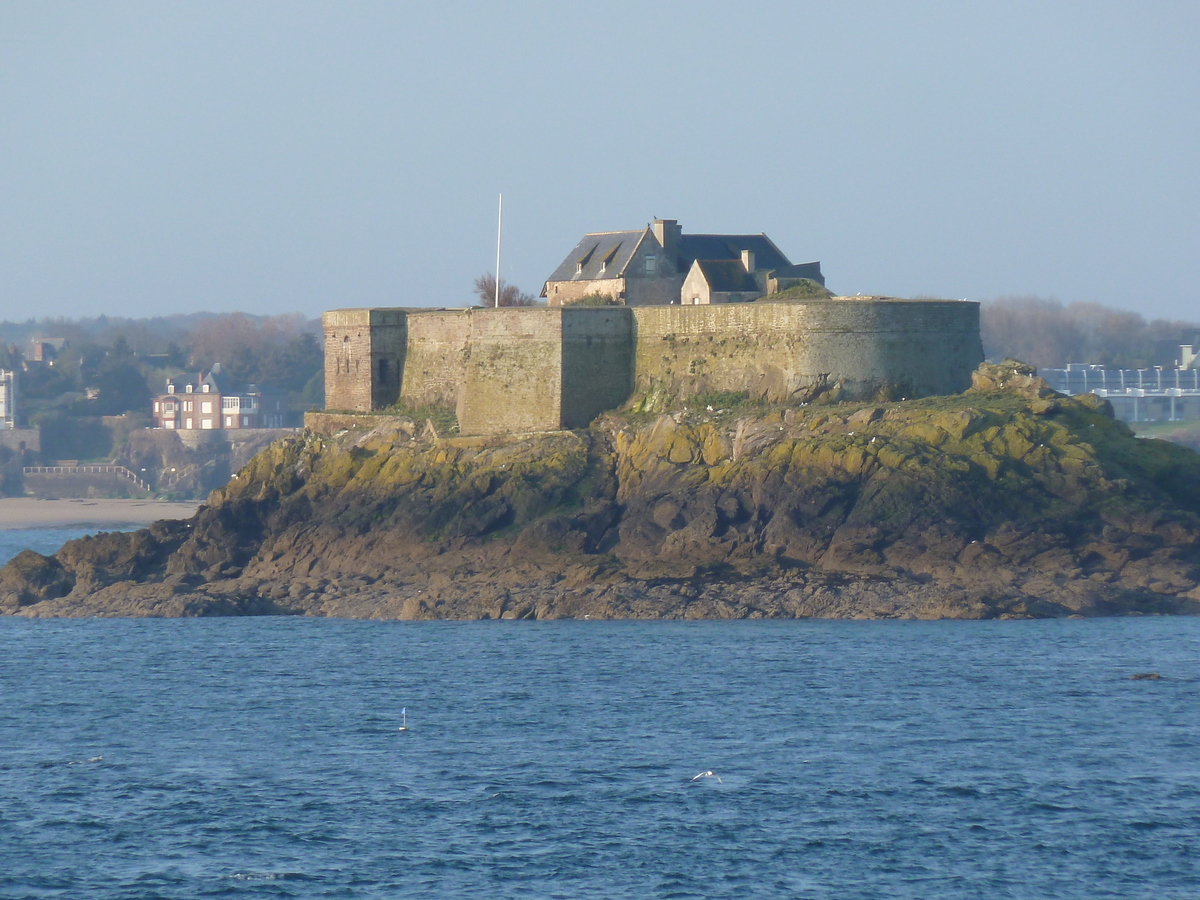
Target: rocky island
x=1004 y=501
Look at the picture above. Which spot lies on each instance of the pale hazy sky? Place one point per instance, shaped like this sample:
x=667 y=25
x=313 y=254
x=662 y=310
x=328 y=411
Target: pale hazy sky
x=270 y=157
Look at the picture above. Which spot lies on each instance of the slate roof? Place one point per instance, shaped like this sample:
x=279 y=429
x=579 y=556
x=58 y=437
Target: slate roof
x=727 y=275
x=216 y=380
x=730 y=246
x=610 y=250
x=606 y=255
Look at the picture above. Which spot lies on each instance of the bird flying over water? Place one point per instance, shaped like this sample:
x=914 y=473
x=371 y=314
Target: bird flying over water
x=709 y=774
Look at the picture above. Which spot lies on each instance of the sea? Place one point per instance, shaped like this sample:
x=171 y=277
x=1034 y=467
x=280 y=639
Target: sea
x=263 y=757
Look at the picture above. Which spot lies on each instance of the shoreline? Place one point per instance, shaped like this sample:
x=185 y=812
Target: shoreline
x=17 y=513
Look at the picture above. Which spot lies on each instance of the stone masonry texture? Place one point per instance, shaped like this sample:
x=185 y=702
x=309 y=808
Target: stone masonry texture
x=544 y=369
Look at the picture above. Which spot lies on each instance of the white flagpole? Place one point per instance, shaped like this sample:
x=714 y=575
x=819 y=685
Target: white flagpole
x=499 y=229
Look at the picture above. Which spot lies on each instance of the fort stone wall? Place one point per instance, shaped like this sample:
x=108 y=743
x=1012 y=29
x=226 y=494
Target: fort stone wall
x=543 y=369
x=364 y=357
x=597 y=362
x=435 y=357
x=512 y=378
x=793 y=351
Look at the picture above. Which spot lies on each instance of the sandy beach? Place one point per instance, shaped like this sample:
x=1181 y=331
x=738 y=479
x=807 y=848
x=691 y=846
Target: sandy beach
x=27 y=512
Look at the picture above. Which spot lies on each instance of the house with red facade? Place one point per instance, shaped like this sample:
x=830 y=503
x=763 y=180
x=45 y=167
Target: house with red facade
x=207 y=402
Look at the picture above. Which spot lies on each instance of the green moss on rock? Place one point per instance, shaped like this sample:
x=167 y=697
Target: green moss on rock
x=1004 y=501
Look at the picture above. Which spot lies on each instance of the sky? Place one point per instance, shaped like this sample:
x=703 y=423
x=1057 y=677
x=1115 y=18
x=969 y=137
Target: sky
x=160 y=158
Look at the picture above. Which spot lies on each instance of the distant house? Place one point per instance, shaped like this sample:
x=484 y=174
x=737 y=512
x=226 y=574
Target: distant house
x=46 y=350
x=661 y=265
x=207 y=401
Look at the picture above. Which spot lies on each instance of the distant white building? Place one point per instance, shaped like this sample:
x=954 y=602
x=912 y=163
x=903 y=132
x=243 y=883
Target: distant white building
x=8 y=400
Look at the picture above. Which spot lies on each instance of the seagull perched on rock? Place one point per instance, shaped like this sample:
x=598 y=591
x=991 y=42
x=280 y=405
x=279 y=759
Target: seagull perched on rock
x=709 y=774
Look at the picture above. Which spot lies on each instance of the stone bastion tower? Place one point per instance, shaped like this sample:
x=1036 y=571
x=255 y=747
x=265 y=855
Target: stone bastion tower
x=515 y=370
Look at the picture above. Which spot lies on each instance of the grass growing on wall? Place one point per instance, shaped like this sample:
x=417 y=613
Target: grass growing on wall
x=444 y=418
x=593 y=300
x=806 y=290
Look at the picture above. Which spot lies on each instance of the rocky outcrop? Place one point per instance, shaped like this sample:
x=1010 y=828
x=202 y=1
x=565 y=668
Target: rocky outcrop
x=191 y=468
x=1005 y=501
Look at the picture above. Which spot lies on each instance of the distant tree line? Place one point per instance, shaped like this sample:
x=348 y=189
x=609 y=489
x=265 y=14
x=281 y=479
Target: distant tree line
x=1048 y=334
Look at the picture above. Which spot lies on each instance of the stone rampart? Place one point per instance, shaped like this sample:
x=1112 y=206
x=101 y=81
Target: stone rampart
x=794 y=351
x=435 y=356
x=364 y=357
x=597 y=362
x=513 y=372
x=544 y=369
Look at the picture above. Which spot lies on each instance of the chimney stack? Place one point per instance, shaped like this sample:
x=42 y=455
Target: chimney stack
x=667 y=232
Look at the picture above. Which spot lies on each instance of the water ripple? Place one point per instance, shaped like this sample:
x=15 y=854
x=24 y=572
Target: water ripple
x=261 y=758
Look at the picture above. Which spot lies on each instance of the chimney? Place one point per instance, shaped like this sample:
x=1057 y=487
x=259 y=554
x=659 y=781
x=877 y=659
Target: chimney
x=667 y=232
x=748 y=260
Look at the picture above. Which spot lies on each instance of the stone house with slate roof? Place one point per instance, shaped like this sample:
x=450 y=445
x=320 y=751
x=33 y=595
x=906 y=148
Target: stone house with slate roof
x=660 y=265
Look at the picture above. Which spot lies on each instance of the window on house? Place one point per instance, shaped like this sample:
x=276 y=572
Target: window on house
x=206 y=407
x=651 y=264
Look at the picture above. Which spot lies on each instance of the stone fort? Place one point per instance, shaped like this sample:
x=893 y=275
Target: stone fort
x=549 y=368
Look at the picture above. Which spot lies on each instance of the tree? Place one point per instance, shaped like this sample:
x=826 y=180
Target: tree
x=510 y=294
x=121 y=387
x=269 y=350
x=1047 y=333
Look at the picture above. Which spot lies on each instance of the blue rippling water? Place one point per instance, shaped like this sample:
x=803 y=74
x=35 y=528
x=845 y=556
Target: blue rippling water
x=261 y=758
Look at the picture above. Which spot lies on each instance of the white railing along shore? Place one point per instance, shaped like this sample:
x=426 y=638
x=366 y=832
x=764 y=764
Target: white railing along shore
x=120 y=471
